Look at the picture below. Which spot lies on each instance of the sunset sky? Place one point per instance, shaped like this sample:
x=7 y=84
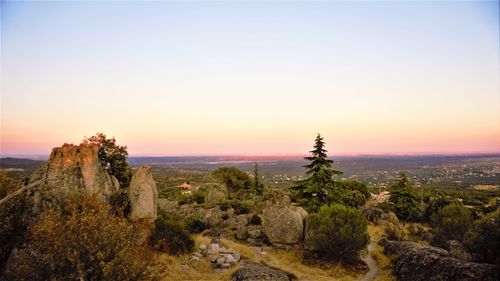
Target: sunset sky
x=206 y=78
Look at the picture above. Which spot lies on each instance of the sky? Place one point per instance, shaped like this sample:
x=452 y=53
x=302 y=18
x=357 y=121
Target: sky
x=262 y=78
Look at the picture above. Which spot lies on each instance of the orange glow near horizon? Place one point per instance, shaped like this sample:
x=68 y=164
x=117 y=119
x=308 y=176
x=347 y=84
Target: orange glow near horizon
x=196 y=78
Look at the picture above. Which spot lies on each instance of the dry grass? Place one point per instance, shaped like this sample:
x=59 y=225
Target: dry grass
x=180 y=268
x=384 y=262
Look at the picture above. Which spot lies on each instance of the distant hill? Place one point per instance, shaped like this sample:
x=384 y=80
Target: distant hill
x=19 y=167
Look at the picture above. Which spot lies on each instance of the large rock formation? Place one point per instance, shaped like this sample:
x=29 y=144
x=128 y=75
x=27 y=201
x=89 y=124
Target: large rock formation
x=284 y=225
x=143 y=195
x=257 y=272
x=75 y=168
x=419 y=262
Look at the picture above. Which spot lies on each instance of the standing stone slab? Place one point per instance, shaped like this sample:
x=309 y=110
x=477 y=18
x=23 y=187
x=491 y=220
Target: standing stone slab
x=143 y=195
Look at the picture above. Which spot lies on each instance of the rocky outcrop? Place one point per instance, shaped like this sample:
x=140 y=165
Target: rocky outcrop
x=215 y=196
x=419 y=262
x=143 y=195
x=75 y=168
x=284 y=225
x=168 y=206
x=457 y=250
x=252 y=271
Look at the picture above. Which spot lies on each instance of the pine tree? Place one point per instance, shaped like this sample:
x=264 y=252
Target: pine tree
x=404 y=199
x=259 y=187
x=318 y=186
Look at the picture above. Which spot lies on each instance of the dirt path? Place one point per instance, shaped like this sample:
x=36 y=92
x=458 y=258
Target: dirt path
x=373 y=268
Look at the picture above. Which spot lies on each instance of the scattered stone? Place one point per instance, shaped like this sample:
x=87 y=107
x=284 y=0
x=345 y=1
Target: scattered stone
x=220 y=261
x=214 y=249
x=254 y=233
x=256 y=272
x=169 y=206
x=231 y=259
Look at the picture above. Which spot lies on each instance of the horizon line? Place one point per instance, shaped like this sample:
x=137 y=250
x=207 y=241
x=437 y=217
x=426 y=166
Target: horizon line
x=284 y=155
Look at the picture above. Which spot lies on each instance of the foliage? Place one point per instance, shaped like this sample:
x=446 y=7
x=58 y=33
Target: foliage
x=195 y=224
x=120 y=203
x=255 y=220
x=404 y=199
x=451 y=223
x=113 y=158
x=337 y=232
x=199 y=195
x=14 y=218
x=354 y=199
x=257 y=184
x=172 y=237
x=317 y=188
x=240 y=207
x=434 y=206
x=82 y=240
x=354 y=185
x=237 y=182
x=484 y=237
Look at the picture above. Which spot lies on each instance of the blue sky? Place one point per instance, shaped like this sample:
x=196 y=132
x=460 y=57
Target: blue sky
x=252 y=77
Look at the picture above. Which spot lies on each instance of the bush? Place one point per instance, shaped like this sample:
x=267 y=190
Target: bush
x=195 y=224
x=14 y=218
x=354 y=199
x=82 y=240
x=337 y=232
x=199 y=196
x=353 y=185
x=240 y=207
x=451 y=223
x=255 y=220
x=435 y=206
x=484 y=238
x=171 y=237
x=120 y=203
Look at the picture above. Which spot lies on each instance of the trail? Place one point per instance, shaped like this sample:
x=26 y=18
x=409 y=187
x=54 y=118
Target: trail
x=372 y=265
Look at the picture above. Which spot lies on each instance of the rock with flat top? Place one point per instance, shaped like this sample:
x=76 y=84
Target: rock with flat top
x=74 y=168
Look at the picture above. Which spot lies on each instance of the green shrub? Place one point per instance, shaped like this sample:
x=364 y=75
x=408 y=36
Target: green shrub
x=195 y=224
x=434 y=206
x=451 y=223
x=337 y=232
x=354 y=199
x=484 y=238
x=120 y=203
x=225 y=205
x=14 y=218
x=240 y=207
x=255 y=220
x=199 y=196
x=172 y=237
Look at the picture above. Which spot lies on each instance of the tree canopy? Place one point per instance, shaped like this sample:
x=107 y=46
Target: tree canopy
x=318 y=186
x=236 y=181
x=404 y=199
x=113 y=157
